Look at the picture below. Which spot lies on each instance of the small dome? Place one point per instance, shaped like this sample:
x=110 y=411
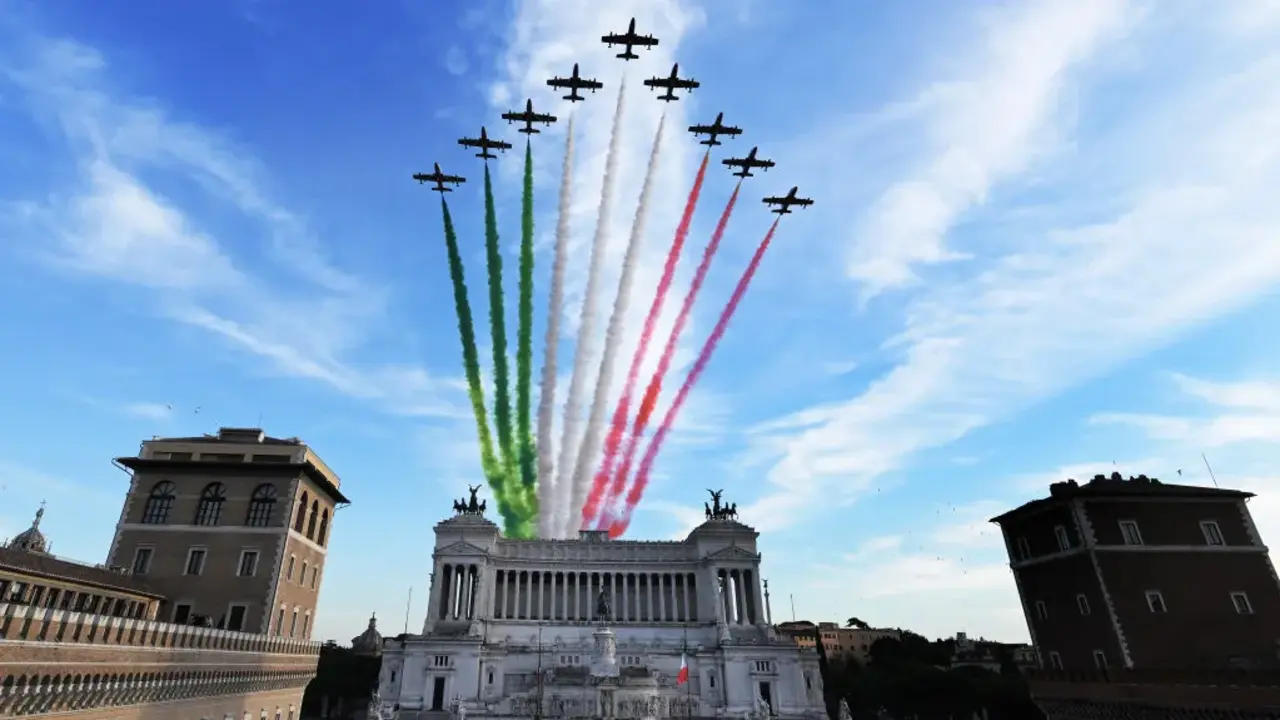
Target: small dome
x=31 y=539
x=368 y=642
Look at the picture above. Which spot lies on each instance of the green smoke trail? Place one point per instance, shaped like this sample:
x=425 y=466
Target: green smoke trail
x=518 y=500
x=471 y=364
x=524 y=338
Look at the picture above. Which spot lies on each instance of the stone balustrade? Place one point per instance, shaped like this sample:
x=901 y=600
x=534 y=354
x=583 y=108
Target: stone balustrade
x=60 y=661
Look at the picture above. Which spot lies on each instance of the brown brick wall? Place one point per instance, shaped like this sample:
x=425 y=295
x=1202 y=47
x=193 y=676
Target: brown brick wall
x=1201 y=627
x=1072 y=635
x=1169 y=522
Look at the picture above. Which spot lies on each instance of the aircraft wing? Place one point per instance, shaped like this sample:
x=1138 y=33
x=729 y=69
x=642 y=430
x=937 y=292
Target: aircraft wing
x=590 y=84
x=543 y=118
x=775 y=201
x=681 y=83
x=501 y=144
x=730 y=130
x=470 y=142
x=802 y=201
x=452 y=179
x=559 y=82
x=658 y=82
x=619 y=40
x=765 y=163
x=735 y=162
x=707 y=130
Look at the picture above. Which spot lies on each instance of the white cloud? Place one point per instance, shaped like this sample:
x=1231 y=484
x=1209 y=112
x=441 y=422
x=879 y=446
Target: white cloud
x=1244 y=411
x=1074 y=299
x=985 y=128
x=120 y=224
x=455 y=60
x=944 y=572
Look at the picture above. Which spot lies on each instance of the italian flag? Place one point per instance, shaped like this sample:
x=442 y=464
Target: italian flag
x=682 y=677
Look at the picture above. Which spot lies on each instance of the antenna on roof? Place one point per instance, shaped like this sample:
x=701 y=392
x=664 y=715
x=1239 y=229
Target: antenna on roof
x=1210 y=469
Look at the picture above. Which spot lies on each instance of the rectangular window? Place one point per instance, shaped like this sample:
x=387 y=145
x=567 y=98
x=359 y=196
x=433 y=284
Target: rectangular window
x=1042 y=610
x=1155 y=601
x=315 y=575
x=1064 y=542
x=302 y=577
x=235 y=617
x=293 y=624
x=1212 y=533
x=288 y=572
x=1024 y=549
x=1241 y=603
x=142 y=560
x=1129 y=531
x=280 y=622
x=195 y=562
x=222 y=457
x=1082 y=602
x=1099 y=659
x=306 y=626
x=1055 y=660
x=248 y=566
x=181 y=614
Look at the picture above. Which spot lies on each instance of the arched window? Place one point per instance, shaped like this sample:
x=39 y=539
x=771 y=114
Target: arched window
x=212 y=498
x=311 y=523
x=261 y=506
x=301 y=517
x=159 y=504
x=324 y=527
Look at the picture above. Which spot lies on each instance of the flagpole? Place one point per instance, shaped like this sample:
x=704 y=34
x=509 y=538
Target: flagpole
x=688 y=685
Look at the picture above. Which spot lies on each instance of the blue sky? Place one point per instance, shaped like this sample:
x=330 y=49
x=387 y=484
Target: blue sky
x=1044 y=245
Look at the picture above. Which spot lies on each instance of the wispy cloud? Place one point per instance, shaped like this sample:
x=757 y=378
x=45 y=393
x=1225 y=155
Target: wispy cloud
x=150 y=411
x=122 y=223
x=1237 y=412
x=1079 y=295
x=455 y=60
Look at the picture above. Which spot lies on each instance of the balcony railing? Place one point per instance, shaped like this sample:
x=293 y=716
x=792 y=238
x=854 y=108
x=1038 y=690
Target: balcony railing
x=35 y=624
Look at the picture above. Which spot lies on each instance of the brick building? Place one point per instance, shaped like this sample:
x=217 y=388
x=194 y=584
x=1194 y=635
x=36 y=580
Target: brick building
x=840 y=643
x=1143 y=579
x=233 y=527
x=204 y=607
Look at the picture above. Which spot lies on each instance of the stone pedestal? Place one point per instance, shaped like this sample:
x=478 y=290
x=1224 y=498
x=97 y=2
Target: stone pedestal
x=604 y=661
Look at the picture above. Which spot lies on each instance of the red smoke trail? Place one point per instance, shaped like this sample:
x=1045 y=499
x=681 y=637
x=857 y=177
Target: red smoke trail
x=619 y=424
x=620 y=525
x=664 y=363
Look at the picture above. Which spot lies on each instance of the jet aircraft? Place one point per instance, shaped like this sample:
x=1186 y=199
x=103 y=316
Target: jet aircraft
x=672 y=83
x=439 y=179
x=485 y=145
x=784 y=203
x=528 y=117
x=714 y=130
x=575 y=83
x=630 y=39
x=745 y=164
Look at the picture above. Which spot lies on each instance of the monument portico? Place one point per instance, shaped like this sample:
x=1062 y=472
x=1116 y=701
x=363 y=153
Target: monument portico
x=594 y=627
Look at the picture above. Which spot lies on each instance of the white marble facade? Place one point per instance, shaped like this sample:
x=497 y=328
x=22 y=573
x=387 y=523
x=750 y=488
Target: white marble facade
x=513 y=625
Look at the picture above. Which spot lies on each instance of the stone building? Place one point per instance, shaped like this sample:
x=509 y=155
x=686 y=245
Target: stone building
x=174 y=626
x=593 y=627
x=233 y=527
x=1141 y=583
x=841 y=643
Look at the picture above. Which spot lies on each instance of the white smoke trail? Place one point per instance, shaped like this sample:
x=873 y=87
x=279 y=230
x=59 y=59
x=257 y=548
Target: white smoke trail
x=582 y=475
x=586 y=329
x=547 y=394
